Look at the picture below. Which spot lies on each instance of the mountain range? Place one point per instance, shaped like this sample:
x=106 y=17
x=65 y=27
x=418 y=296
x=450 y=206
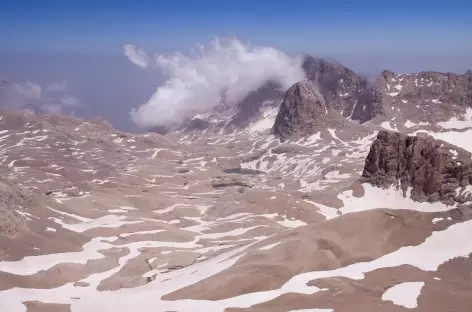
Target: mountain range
x=341 y=193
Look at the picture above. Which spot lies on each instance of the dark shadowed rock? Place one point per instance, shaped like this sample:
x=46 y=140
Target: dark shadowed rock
x=301 y=112
x=229 y=182
x=160 y=129
x=344 y=91
x=370 y=101
x=435 y=170
x=337 y=84
x=423 y=96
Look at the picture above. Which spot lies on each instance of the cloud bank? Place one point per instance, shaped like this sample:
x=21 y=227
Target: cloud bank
x=196 y=81
x=52 y=99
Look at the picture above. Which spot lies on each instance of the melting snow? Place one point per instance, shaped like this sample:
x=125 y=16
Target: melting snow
x=460 y=139
x=128 y=299
x=399 y=87
x=291 y=223
x=269 y=246
x=404 y=294
x=386 y=125
x=266 y=122
x=326 y=211
x=455 y=123
x=391 y=198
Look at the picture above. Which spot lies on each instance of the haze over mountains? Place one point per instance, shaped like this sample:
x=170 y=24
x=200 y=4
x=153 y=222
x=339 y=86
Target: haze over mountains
x=266 y=182
x=110 y=85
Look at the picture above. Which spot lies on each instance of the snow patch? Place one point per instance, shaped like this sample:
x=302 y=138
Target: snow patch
x=404 y=294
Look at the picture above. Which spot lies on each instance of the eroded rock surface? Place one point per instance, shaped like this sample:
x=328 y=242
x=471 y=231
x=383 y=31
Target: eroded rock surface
x=302 y=112
x=435 y=170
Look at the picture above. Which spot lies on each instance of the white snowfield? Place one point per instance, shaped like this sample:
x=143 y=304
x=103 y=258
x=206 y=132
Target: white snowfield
x=127 y=299
x=439 y=248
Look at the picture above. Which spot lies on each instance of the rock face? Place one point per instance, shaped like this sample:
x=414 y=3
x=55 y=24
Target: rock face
x=435 y=170
x=13 y=201
x=429 y=97
x=338 y=84
x=423 y=96
x=301 y=113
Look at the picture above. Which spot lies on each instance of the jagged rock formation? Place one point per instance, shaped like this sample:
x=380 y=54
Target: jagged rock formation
x=334 y=81
x=435 y=170
x=13 y=203
x=419 y=97
x=301 y=112
x=424 y=96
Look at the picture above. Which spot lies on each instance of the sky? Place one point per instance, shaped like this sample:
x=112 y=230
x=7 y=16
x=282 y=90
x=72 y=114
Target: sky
x=320 y=27
x=74 y=56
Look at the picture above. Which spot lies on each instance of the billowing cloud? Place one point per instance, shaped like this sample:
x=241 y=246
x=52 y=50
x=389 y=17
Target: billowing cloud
x=52 y=99
x=196 y=82
x=137 y=56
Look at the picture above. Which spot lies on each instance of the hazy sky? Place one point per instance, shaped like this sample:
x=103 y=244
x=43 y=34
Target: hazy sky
x=79 y=44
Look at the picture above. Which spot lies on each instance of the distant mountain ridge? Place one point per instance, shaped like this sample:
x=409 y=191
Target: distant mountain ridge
x=417 y=97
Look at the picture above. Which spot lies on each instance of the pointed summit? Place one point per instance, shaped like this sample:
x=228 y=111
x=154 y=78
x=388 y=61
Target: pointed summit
x=301 y=111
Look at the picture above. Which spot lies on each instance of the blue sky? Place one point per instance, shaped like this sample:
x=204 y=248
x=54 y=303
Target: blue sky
x=321 y=27
x=38 y=36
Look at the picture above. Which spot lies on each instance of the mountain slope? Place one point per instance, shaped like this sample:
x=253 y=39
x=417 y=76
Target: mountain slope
x=262 y=206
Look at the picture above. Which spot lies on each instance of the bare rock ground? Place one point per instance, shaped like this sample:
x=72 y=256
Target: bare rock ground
x=99 y=220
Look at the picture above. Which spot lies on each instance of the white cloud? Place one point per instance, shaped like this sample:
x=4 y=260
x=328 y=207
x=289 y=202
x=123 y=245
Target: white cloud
x=52 y=99
x=136 y=55
x=196 y=82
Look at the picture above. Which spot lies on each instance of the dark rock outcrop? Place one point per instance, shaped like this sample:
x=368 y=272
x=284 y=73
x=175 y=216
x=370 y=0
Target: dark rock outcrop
x=337 y=84
x=419 y=97
x=229 y=182
x=14 y=201
x=423 y=96
x=435 y=170
x=301 y=112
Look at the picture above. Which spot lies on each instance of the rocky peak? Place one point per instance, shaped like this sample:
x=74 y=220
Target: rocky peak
x=418 y=97
x=302 y=111
x=387 y=74
x=337 y=84
x=425 y=96
x=433 y=170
